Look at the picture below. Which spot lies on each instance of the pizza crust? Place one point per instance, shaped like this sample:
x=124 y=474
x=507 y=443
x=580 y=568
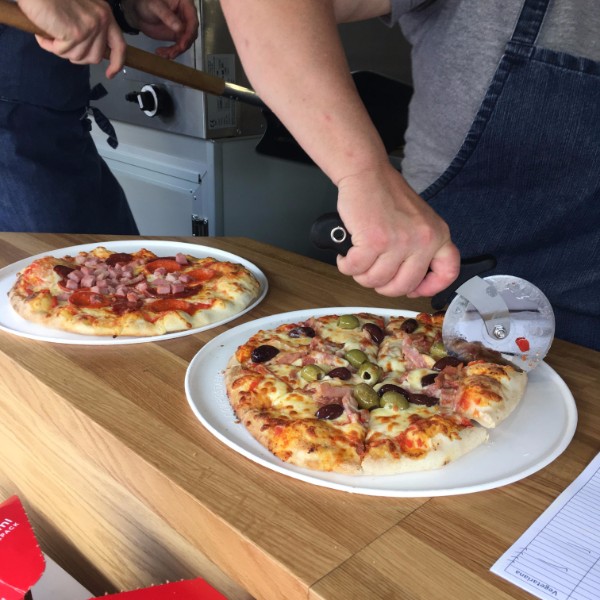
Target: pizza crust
x=501 y=393
x=442 y=452
x=309 y=443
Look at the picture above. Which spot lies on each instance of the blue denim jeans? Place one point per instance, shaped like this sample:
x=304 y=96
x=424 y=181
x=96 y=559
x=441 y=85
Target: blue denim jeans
x=52 y=178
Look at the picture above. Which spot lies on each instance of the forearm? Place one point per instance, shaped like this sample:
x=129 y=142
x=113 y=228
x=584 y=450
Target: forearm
x=293 y=56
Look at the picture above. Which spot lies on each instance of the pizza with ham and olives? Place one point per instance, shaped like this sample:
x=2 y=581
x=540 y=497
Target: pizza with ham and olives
x=359 y=394
x=105 y=293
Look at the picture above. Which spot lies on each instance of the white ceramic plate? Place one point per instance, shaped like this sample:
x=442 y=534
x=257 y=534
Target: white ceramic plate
x=536 y=433
x=13 y=323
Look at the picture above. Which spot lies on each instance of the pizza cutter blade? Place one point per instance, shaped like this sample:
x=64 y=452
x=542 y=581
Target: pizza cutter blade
x=505 y=314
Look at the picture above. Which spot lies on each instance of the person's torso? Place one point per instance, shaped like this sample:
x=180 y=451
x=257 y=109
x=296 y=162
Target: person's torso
x=456 y=48
x=525 y=183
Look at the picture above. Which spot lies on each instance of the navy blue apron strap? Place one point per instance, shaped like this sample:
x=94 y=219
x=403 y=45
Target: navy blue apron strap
x=97 y=92
x=530 y=21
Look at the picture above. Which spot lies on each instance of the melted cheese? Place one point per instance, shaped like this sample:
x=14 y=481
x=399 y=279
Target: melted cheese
x=414 y=377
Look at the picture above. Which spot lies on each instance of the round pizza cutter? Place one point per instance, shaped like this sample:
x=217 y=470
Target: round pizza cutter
x=498 y=314
x=502 y=313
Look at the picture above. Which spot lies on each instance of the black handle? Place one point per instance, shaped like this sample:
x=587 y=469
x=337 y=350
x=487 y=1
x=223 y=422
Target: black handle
x=329 y=233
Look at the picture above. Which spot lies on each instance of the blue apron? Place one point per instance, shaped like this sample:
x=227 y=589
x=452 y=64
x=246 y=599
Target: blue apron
x=51 y=176
x=525 y=185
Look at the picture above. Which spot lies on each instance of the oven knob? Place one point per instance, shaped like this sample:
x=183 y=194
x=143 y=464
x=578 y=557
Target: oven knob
x=152 y=100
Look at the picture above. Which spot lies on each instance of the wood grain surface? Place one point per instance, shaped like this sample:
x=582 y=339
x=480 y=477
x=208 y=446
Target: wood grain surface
x=126 y=488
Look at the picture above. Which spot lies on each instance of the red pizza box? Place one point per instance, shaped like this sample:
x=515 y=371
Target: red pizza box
x=21 y=560
x=22 y=564
x=188 y=589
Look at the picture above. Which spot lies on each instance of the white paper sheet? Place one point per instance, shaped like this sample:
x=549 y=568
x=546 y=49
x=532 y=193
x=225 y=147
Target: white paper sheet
x=559 y=555
x=56 y=583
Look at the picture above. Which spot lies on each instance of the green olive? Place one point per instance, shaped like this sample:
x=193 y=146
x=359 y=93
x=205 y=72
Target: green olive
x=393 y=399
x=311 y=372
x=366 y=396
x=355 y=357
x=348 y=322
x=437 y=350
x=369 y=373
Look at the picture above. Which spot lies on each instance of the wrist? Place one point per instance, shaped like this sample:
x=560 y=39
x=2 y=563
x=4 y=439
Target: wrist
x=372 y=168
x=366 y=157
x=124 y=16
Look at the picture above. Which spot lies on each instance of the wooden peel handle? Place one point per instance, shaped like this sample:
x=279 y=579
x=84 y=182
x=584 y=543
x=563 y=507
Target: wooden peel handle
x=173 y=71
x=12 y=15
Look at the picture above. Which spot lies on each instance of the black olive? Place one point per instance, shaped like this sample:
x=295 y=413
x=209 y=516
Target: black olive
x=409 y=325
x=423 y=400
x=375 y=332
x=264 y=353
x=330 y=411
x=340 y=373
x=447 y=361
x=390 y=387
x=302 y=332
x=428 y=379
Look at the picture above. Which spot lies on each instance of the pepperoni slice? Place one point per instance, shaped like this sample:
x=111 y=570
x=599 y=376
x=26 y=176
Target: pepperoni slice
x=168 y=263
x=89 y=299
x=167 y=304
x=200 y=275
x=118 y=257
x=63 y=270
x=122 y=306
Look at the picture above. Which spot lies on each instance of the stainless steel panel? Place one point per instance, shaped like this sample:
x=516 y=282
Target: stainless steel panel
x=193 y=113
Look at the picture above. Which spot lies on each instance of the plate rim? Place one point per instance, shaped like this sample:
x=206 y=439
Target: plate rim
x=320 y=478
x=38 y=332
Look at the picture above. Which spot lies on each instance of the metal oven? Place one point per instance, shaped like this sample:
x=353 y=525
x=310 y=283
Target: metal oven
x=187 y=160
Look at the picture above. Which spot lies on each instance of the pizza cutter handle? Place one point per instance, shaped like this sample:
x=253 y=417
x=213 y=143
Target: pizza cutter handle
x=329 y=233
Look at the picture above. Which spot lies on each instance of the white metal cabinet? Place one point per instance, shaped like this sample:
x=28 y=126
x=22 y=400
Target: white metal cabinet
x=180 y=185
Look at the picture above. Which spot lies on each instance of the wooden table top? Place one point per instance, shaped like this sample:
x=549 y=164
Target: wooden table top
x=126 y=488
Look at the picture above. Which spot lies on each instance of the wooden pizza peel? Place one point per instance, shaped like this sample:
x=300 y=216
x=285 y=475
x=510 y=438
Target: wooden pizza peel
x=385 y=99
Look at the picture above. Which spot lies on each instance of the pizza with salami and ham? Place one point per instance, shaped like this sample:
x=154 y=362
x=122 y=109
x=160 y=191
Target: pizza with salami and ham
x=355 y=394
x=106 y=293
